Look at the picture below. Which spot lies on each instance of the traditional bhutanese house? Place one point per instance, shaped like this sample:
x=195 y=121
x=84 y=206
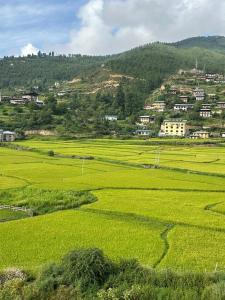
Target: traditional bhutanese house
x=183 y=107
x=111 y=118
x=33 y=96
x=212 y=96
x=146 y=120
x=206 y=106
x=221 y=105
x=15 y=101
x=205 y=113
x=143 y=132
x=199 y=94
x=148 y=107
x=173 y=90
x=159 y=106
x=184 y=98
x=200 y=135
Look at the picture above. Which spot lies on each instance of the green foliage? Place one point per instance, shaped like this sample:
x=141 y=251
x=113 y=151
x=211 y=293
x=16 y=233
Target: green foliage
x=44 y=71
x=88 y=274
x=45 y=201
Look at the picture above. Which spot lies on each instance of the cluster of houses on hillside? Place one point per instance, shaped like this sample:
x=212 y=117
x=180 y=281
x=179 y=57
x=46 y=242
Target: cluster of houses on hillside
x=24 y=99
x=7 y=136
x=207 y=110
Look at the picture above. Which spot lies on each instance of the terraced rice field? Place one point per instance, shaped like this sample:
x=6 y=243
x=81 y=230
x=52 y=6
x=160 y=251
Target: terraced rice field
x=172 y=216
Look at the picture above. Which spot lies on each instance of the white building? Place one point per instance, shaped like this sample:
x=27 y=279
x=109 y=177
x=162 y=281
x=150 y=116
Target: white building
x=146 y=120
x=199 y=94
x=205 y=113
x=143 y=132
x=174 y=128
x=111 y=118
x=183 y=107
x=7 y=136
x=200 y=135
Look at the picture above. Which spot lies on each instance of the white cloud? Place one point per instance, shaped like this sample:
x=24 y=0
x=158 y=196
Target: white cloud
x=29 y=49
x=110 y=26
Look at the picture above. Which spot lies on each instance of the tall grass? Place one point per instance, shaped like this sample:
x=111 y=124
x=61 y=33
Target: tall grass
x=45 y=201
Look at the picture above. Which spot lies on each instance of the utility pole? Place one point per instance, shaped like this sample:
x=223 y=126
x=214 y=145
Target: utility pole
x=157 y=158
x=82 y=169
x=196 y=64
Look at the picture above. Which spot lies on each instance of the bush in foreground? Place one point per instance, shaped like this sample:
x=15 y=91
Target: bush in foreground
x=88 y=274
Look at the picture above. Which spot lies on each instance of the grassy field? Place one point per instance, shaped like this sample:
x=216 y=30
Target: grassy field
x=172 y=216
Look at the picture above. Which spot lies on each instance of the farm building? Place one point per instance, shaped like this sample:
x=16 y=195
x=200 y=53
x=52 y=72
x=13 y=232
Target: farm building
x=183 y=107
x=159 y=106
x=205 y=113
x=173 y=90
x=7 y=136
x=206 y=106
x=143 y=132
x=174 y=128
x=200 y=135
x=146 y=120
x=199 y=94
x=33 y=96
x=221 y=105
x=111 y=118
x=184 y=99
x=18 y=101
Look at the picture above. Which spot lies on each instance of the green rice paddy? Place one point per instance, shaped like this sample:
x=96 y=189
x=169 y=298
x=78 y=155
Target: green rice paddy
x=171 y=216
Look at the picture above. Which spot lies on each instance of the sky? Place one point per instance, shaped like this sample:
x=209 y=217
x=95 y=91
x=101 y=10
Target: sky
x=103 y=26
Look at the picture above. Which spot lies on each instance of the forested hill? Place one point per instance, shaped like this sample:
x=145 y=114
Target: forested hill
x=159 y=60
x=152 y=62
x=44 y=70
x=211 y=42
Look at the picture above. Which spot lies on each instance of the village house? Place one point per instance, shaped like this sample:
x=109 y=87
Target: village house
x=148 y=107
x=199 y=94
x=221 y=105
x=200 y=135
x=212 y=96
x=111 y=118
x=205 y=113
x=184 y=98
x=159 y=106
x=183 y=107
x=146 y=120
x=173 y=90
x=40 y=103
x=174 y=128
x=223 y=134
x=7 y=136
x=33 y=96
x=206 y=106
x=143 y=132
x=18 y=101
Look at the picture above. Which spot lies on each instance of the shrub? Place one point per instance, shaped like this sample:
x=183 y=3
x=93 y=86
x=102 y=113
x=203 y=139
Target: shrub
x=51 y=153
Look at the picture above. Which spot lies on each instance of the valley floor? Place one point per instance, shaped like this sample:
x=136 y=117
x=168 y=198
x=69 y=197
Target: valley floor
x=170 y=216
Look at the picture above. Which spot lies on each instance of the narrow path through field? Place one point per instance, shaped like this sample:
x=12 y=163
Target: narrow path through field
x=164 y=237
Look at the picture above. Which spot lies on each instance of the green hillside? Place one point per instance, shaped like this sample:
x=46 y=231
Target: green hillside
x=160 y=60
x=152 y=62
x=210 y=42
